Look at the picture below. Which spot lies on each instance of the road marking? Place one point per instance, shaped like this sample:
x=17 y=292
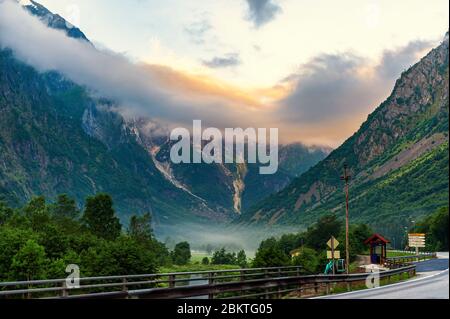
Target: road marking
x=381 y=287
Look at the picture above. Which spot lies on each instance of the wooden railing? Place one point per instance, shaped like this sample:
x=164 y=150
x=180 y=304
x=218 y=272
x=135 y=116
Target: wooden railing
x=235 y=283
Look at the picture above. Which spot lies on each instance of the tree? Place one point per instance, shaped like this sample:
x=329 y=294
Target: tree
x=270 y=254
x=205 y=261
x=308 y=260
x=119 y=257
x=357 y=235
x=29 y=263
x=181 y=253
x=54 y=240
x=140 y=227
x=11 y=240
x=241 y=259
x=99 y=217
x=65 y=208
x=36 y=204
x=36 y=211
x=222 y=257
x=436 y=229
x=5 y=213
x=317 y=235
x=439 y=229
x=57 y=267
x=289 y=242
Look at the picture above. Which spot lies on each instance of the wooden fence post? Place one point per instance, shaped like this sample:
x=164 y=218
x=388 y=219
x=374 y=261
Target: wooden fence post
x=210 y=282
x=171 y=281
x=64 y=292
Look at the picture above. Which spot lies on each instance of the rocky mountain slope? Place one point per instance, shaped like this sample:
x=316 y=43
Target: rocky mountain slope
x=54 y=21
x=398 y=160
x=236 y=186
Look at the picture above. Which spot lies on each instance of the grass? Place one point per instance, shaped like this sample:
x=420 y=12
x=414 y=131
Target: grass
x=197 y=257
x=353 y=267
x=392 y=253
x=195 y=264
x=194 y=267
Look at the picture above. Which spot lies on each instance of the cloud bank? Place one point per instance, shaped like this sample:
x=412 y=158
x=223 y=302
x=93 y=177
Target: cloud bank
x=261 y=12
x=138 y=89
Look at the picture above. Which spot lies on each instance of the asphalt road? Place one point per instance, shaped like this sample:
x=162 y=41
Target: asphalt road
x=432 y=282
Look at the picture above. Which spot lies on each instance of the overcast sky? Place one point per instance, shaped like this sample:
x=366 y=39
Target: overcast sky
x=316 y=68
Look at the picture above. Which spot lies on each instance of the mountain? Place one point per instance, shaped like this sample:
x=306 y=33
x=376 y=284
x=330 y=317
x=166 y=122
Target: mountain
x=55 y=137
x=235 y=187
x=54 y=21
x=398 y=161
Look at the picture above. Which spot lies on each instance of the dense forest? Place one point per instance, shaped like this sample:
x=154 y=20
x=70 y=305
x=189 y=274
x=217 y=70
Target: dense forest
x=39 y=240
x=436 y=230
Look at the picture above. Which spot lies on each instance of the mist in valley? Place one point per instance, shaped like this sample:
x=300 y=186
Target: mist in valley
x=209 y=237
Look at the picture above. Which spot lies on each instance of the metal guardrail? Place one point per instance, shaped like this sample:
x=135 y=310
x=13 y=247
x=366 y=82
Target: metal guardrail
x=395 y=262
x=233 y=283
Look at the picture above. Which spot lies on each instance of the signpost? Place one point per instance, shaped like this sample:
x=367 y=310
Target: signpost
x=416 y=240
x=337 y=254
x=333 y=254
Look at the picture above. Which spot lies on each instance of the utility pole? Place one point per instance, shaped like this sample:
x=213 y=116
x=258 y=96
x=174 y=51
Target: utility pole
x=346 y=178
x=332 y=254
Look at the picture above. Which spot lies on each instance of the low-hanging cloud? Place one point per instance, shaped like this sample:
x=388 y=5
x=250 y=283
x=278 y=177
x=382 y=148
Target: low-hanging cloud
x=261 y=12
x=330 y=86
x=136 y=88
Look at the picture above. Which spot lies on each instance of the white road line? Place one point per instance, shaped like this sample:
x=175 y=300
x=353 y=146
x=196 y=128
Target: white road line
x=381 y=287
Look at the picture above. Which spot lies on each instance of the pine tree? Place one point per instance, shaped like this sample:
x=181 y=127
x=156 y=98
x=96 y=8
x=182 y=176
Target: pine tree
x=100 y=218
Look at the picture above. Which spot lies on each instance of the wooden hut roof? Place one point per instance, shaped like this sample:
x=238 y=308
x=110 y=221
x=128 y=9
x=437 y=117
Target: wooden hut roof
x=376 y=238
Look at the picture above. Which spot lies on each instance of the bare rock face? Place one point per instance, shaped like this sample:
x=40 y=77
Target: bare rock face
x=54 y=20
x=413 y=94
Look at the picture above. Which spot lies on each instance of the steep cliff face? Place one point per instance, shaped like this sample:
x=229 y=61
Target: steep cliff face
x=230 y=187
x=398 y=159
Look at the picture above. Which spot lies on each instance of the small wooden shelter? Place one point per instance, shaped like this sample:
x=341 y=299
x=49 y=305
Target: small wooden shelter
x=377 y=248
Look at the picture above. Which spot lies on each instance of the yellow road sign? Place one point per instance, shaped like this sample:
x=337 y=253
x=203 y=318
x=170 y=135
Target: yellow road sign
x=332 y=242
x=337 y=254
